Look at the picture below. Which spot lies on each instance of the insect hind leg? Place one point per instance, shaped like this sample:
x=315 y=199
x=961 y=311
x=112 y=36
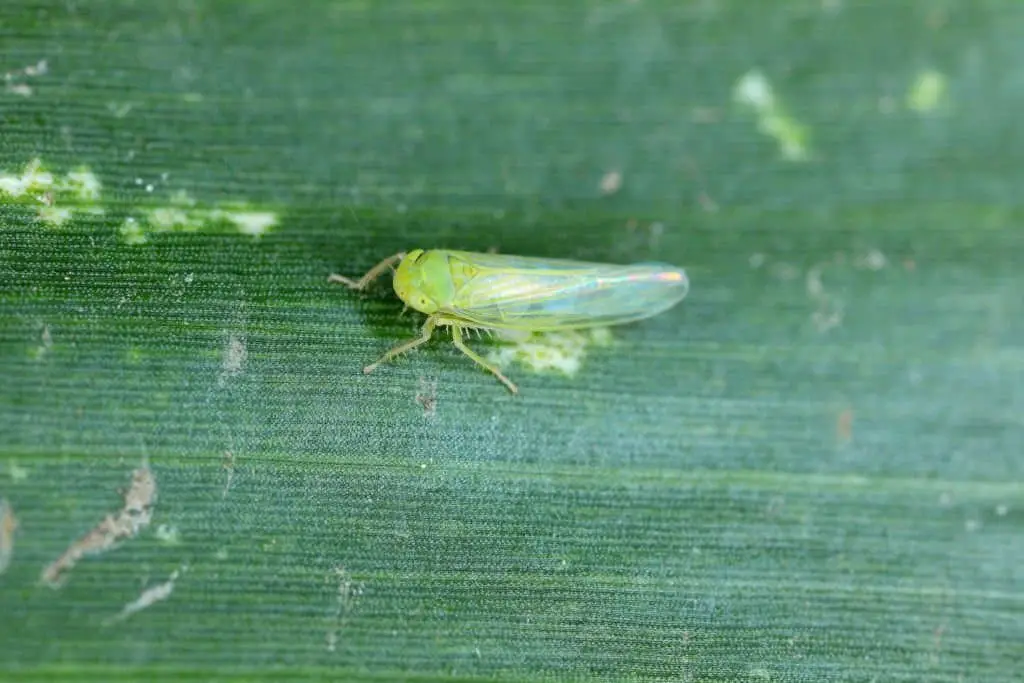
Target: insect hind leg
x=475 y=357
x=428 y=331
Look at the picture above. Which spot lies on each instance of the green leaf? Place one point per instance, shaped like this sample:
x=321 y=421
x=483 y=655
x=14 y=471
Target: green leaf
x=809 y=470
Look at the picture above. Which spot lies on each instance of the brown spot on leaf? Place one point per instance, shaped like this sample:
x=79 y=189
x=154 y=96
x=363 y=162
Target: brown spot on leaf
x=126 y=523
x=844 y=426
x=8 y=525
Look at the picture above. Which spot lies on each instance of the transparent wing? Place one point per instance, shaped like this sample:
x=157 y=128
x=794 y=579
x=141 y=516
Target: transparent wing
x=516 y=292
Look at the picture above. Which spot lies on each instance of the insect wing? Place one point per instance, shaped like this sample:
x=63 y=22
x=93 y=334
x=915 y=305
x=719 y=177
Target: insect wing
x=548 y=294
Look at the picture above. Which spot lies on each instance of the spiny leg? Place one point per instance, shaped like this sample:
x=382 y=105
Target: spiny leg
x=371 y=274
x=461 y=346
x=428 y=330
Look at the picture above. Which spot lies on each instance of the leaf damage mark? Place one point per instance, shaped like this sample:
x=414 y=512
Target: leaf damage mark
x=830 y=311
x=874 y=259
x=8 y=525
x=183 y=213
x=611 y=182
x=148 y=597
x=653 y=231
x=754 y=91
x=134 y=516
x=55 y=198
x=229 y=468
x=45 y=343
x=936 y=653
x=16 y=82
x=167 y=534
x=235 y=354
x=120 y=109
x=426 y=396
x=844 y=426
x=345 y=596
x=562 y=352
x=15 y=471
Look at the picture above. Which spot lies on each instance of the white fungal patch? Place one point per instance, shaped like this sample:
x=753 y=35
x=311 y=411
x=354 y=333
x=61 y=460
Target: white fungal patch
x=561 y=352
x=183 y=213
x=54 y=198
x=131 y=231
x=252 y=223
x=83 y=185
x=33 y=180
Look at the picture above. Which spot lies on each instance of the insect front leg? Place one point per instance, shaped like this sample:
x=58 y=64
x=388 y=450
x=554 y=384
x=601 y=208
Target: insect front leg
x=371 y=274
x=475 y=357
x=428 y=330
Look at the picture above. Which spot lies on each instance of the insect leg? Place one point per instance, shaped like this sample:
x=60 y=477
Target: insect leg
x=371 y=274
x=461 y=346
x=428 y=329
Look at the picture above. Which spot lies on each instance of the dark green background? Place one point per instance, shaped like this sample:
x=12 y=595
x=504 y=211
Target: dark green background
x=689 y=506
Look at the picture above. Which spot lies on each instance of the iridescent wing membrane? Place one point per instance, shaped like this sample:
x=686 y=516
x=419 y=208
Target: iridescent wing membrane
x=517 y=292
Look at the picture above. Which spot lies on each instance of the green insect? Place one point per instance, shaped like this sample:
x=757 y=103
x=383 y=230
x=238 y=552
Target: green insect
x=465 y=291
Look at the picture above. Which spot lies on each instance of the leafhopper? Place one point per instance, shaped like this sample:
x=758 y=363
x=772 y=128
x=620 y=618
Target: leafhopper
x=495 y=292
